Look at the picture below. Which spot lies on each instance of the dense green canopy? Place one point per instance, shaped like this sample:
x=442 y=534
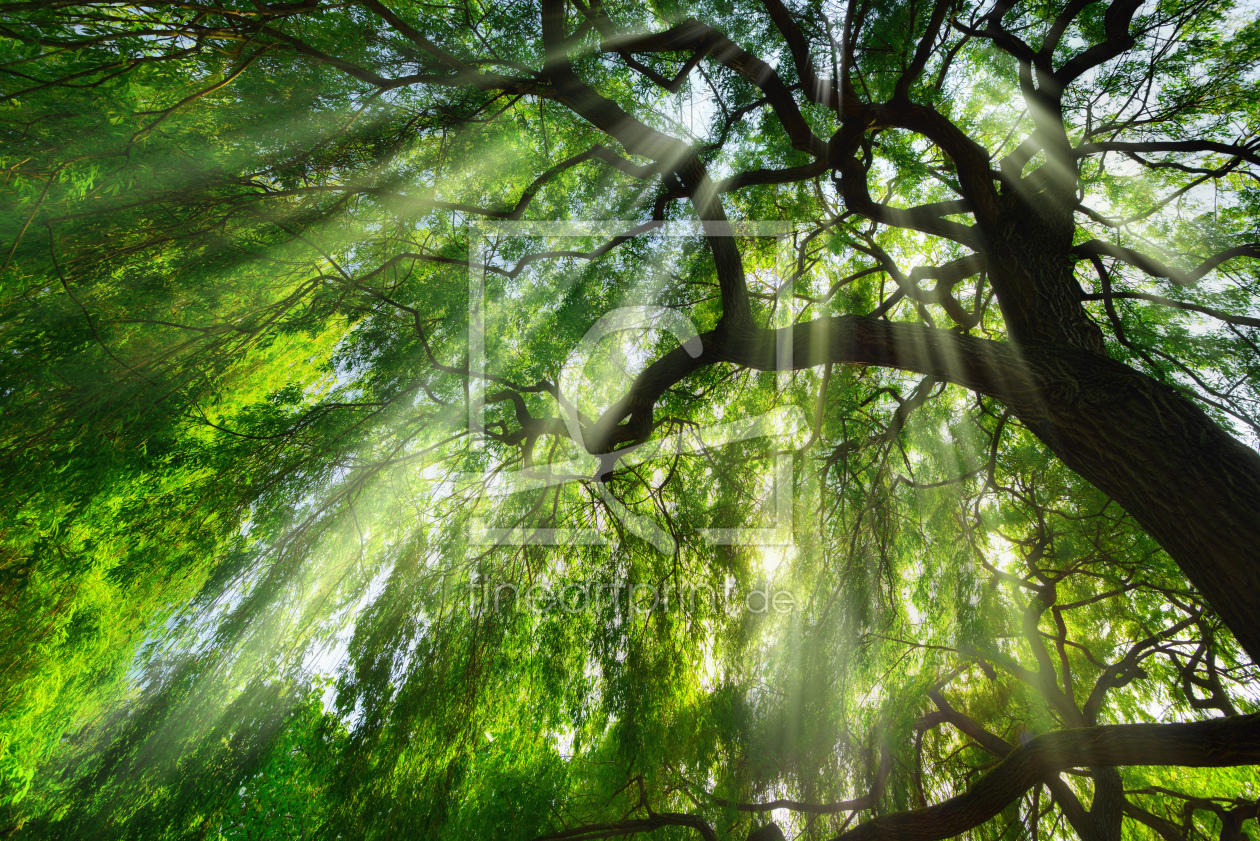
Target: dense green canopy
x=543 y=419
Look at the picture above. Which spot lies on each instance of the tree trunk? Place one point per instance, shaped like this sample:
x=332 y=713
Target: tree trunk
x=1028 y=254
x=1194 y=488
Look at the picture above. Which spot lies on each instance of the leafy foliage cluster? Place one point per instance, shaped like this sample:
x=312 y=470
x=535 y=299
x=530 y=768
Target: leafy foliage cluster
x=244 y=594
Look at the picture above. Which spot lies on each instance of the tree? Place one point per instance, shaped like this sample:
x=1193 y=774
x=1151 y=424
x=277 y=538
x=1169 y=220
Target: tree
x=236 y=330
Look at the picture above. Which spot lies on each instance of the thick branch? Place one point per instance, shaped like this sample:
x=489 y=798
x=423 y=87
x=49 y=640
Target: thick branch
x=640 y=139
x=816 y=90
x=1116 y=22
x=1155 y=268
x=1220 y=742
x=692 y=35
x=924 y=51
x=857 y=198
x=989 y=367
x=1246 y=152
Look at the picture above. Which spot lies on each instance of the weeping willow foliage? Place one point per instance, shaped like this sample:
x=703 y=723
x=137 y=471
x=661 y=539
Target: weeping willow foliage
x=248 y=568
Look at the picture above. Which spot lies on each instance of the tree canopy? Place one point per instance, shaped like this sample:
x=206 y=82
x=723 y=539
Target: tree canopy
x=578 y=419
